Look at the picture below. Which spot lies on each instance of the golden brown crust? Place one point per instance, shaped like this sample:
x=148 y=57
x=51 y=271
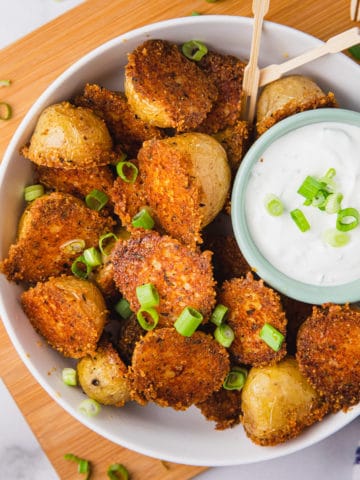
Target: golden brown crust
x=177 y=371
x=165 y=88
x=47 y=225
x=328 y=352
x=130 y=333
x=125 y=127
x=222 y=407
x=235 y=141
x=251 y=304
x=68 y=312
x=182 y=277
x=226 y=72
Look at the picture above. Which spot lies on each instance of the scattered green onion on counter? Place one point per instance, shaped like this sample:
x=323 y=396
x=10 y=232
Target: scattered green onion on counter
x=96 y=200
x=300 y=220
x=235 y=379
x=83 y=464
x=32 y=192
x=188 y=321
x=5 y=82
x=194 y=50
x=89 y=407
x=224 y=334
x=69 y=376
x=5 y=111
x=117 y=471
x=271 y=336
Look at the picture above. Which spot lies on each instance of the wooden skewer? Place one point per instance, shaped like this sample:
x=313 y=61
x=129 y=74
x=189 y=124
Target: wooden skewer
x=251 y=78
x=333 y=45
x=355 y=10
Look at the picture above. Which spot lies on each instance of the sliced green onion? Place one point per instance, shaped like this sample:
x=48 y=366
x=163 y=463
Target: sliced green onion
x=80 y=268
x=235 y=379
x=310 y=187
x=5 y=111
x=96 y=200
x=271 y=336
x=69 y=376
x=123 y=308
x=355 y=51
x=195 y=14
x=92 y=257
x=347 y=219
x=194 y=50
x=188 y=321
x=76 y=245
x=328 y=179
x=5 y=83
x=89 y=407
x=106 y=243
x=147 y=295
x=300 y=220
x=117 y=471
x=143 y=219
x=333 y=202
x=219 y=314
x=127 y=171
x=273 y=205
x=224 y=334
x=83 y=465
x=319 y=200
x=151 y=313
x=33 y=191
x=336 y=239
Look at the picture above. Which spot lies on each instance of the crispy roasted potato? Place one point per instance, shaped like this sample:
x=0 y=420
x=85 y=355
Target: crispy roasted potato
x=102 y=376
x=289 y=95
x=222 y=407
x=328 y=352
x=277 y=403
x=176 y=371
x=69 y=312
x=166 y=89
x=186 y=180
x=46 y=229
x=66 y=136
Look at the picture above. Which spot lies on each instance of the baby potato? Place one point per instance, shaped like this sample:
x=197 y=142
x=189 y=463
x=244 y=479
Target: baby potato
x=289 y=95
x=102 y=376
x=66 y=136
x=278 y=403
x=186 y=180
x=70 y=313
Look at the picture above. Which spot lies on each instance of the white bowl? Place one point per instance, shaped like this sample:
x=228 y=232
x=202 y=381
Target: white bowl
x=183 y=437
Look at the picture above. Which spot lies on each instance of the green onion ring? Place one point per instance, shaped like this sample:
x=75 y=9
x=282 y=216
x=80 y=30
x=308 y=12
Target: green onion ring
x=117 y=471
x=143 y=219
x=69 y=376
x=188 y=321
x=300 y=220
x=219 y=314
x=141 y=315
x=224 y=334
x=5 y=111
x=335 y=238
x=83 y=464
x=75 y=245
x=78 y=269
x=273 y=205
x=92 y=257
x=122 y=307
x=194 y=50
x=31 y=192
x=235 y=379
x=5 y=83
x=333 y=202
x=96 y=200
x=310 y=187
x=347 y=219
x=271 y=336
x=89 y=407
x=106 y=249
x=147 y=295
x=132 y=176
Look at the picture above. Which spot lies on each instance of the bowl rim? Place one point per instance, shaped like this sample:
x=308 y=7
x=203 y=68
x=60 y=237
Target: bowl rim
x=315 y=294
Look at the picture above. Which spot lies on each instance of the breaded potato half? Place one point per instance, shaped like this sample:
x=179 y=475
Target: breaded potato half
x=166 y=89
x=126 y=128
x=182 y=277
x=103 y=376
x=286 y=96
x=186 y=181
x=278 y=403
x=251 y=305
x=226 y=72
x=222 y=407
x=46 y=231
x=176 y=371
x=70 y=313
x=328 y=352
x=66 y=136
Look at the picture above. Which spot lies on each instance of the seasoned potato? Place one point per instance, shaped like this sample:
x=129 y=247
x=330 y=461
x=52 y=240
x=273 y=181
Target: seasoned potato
x=222 y=407
x=278 y=403
x=328 y=352
x=166 y=89
x=102 y=376
x=66 y=136
x=186 y=181
x=289 y=95
x=69 y=312
x=176 y=371
x=46 y=229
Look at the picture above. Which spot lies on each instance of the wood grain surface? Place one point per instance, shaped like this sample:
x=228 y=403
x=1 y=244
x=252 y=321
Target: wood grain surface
x=32 y=63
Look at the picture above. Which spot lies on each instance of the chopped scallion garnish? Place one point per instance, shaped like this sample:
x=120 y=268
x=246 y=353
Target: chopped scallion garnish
x=147 y=295
x=123 y=308
x=219 y=314
x=5 y=83
x=194 y=50
x=80 y=268
x=69 y=376
x=117 y=471
x=106 y=242
x=83 y=464
x=347 y=219
x=32 y=192
x=272 y=337
x=273 y=205
x=75 y=245
x=89 y=407
x=300 y=220
x=96 y=200
x=333 y=202
x=92 y=257
x=336 y=239
x=127 y=171
x=224 y=334
x=5 y=111
x=143 y=219
x=188 y=321
x=143 y=314
x=235 y=379
x=310 y=187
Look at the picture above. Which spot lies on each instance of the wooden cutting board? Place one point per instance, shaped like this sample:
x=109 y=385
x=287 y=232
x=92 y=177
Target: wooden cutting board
x=32 y=63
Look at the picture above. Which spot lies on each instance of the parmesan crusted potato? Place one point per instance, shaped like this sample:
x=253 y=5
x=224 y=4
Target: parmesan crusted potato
x=165 y=89
x=102 y=376
x=70 y=313
x=278 y=403
x=286 y=96
x=66 y=136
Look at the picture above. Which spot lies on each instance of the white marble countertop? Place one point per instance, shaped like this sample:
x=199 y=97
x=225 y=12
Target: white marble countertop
x=21 y=456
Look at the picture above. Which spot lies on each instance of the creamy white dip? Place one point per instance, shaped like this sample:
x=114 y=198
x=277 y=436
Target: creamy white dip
x=309 y=150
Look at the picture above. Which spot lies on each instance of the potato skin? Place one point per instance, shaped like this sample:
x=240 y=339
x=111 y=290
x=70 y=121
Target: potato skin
x=166 y=89
x=278 y=403
x=102 y=376
x=68 y=312
x=66 y=136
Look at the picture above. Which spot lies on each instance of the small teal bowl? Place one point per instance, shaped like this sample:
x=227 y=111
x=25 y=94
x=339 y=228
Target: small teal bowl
x=314 y=294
